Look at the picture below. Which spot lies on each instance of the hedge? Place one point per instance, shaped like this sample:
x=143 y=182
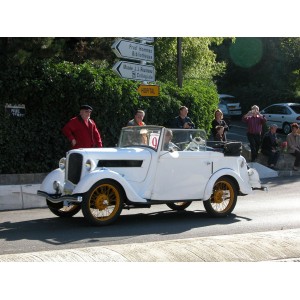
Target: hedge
x=52 y=93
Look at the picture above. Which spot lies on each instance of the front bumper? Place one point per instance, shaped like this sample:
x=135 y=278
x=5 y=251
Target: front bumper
x=56 y=198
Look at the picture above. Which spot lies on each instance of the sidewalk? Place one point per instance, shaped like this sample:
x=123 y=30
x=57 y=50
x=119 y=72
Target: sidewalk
x=283 y=245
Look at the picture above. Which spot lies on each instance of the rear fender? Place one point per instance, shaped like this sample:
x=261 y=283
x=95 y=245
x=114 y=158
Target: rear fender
x=243 y=186
x=91 y=178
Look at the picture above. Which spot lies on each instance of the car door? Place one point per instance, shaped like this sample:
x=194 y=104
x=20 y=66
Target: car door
x=182 y=175
x=273 y=115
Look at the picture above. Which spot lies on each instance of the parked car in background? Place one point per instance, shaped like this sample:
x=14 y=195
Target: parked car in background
x=232 y=103
x=283 y=115
x=226 y=115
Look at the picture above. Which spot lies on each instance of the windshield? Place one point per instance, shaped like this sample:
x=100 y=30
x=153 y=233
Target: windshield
x=184 y=139
x=145 y=136
x=165 y=139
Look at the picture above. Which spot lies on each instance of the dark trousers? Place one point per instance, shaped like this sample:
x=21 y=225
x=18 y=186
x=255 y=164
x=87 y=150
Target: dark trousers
x=254 y=140
x=272 y=156
x=297 y=160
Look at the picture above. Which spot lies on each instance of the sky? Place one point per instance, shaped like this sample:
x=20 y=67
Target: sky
x=117 y=18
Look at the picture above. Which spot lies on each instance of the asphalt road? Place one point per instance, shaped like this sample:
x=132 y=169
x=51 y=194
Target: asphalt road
x=238 y=132
x=39 y=230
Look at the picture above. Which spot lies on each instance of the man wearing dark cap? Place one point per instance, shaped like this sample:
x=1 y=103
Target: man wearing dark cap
x=82 y=131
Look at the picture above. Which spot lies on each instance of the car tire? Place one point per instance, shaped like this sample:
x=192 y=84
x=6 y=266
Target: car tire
x=63 y=211
x=103 y=203
x=182 y=205
x=286 y=128
x=223 y=199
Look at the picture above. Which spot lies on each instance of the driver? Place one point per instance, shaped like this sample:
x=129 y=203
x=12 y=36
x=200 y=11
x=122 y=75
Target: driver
x=168 y=145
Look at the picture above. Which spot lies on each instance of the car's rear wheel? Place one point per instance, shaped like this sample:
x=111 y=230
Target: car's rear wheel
x=286 y=128
x=63 y=211
x=182 y=205
x=223 y=198
x=103 y=204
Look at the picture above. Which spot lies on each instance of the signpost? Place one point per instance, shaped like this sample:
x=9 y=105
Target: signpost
x=148 y=90
x=134 y=71
x=134 y=51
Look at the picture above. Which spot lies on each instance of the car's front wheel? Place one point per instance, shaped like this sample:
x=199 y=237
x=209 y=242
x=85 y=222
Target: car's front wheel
x=179 y=205
x=63 y=211
x=103 y=204
x=223 y=198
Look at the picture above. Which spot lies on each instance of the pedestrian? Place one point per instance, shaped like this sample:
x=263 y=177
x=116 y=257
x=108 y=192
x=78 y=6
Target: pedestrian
x=138 y=119
x=269 y=146
x=218 y=121
x=82 y=131
x=255 y=123
x=293 y=142
x=182 y=120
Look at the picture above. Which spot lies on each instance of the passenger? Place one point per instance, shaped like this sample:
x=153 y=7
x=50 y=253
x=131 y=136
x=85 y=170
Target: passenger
x=293 y=141
x=269 y=146
x=82 y=131
x=138 y=119
x=218 y=121
x=255 y=122
x=220 y=135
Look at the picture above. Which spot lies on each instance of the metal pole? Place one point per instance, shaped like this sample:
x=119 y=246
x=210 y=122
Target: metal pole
x=179 y=62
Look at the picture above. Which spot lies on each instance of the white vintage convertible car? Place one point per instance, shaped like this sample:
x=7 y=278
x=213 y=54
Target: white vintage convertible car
x=150 y=165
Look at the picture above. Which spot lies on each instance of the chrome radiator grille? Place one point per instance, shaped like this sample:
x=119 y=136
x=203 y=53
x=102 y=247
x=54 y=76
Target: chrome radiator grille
x=74 y=167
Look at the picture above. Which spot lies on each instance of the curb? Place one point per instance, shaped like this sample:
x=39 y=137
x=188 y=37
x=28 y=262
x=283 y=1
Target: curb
x=250 y=247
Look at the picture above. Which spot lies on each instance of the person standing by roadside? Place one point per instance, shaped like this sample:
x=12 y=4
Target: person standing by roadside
x=254 y=122
x=293 y=141
x=182 y=120
x=218 y=121
x=82 y=131
x=269 y=146
x=138 y=119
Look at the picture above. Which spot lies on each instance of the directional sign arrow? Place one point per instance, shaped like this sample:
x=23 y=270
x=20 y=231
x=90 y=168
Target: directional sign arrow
x=132 y=50
x=134 y=71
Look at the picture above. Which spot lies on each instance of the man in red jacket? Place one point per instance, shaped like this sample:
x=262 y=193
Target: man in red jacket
x=82 y=131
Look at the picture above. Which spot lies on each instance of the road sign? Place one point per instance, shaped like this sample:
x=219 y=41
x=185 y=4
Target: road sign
x=146 y=39
x=148 y=90
x=132 y=50
x=134 y=71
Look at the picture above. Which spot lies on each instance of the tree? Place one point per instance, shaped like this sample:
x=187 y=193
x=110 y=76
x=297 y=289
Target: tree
x=198 y=60
x=260 y=70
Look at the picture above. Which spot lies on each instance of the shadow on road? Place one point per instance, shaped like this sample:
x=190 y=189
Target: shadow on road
x=58 y=231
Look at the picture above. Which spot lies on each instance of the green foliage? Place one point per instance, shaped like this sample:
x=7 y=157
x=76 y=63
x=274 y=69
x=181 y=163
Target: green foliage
x=260 y=71
x=198 y=60
x=52 y=92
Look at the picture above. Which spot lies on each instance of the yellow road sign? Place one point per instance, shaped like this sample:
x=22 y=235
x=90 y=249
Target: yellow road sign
x=148 y=90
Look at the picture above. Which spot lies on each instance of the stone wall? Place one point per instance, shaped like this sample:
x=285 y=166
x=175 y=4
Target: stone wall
x=19 y=191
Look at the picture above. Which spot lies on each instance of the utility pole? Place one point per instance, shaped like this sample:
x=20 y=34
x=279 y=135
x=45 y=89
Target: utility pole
x=179 y=62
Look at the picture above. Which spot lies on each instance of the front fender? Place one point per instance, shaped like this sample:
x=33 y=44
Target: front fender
x=55 y=175
x=91 y=178
x=244 y=186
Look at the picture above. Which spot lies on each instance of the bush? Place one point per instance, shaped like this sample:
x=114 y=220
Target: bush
x=53 y=92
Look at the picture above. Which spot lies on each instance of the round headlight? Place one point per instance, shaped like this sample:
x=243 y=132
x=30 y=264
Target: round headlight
x=62 y=163
x=90 y=165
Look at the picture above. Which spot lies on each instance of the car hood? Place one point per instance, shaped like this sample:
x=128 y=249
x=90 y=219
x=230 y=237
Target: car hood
x=131 y=163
